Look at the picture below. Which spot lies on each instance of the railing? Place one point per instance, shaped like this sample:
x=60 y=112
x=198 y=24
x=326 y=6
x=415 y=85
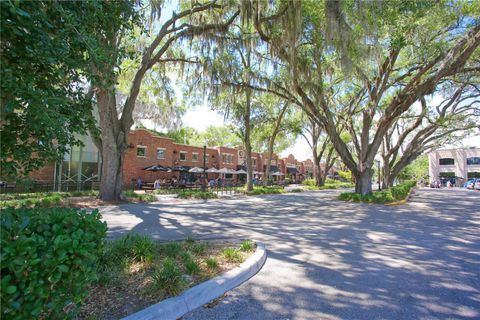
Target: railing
x=48 y=186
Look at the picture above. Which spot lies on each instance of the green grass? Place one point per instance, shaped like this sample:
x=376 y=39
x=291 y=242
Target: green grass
x=232 y=254
x=168 y=279
x=212 y=263
x=247 y=245
x=393 y=194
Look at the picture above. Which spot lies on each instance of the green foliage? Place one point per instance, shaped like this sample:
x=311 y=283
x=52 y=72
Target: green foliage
x=308 y=182
x=232 y=254
x=172 y=249
x=329 y=184
x=131 y=248
x=191 y=266
x=346 y=175
x=396 y=193
x=417 y=170
x=212 y=263
x=187 y=194
x=145 y=197
x=39 y=199
x=247 y=245
x=43 y=109
x=297 y=190
x=257 y=190
x=48 y=260
x=168 y=278
x=199 y=248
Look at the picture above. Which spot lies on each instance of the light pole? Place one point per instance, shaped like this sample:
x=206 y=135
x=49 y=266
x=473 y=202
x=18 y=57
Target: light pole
x=204 y=166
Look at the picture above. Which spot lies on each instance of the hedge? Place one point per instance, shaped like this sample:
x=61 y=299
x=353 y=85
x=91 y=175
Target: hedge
x=48 y=260
x=396 y=193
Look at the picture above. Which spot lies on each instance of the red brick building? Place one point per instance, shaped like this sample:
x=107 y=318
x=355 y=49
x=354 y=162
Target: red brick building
x=147 y=149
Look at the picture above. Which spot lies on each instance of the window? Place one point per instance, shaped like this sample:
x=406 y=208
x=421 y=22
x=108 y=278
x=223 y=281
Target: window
x=447 y=161
x=254 y=161
x=473 y=160
x=141 y=151
x=160 y=153
x=227 y=158
x=206 y=157
x=183 y=156
x=195 y=157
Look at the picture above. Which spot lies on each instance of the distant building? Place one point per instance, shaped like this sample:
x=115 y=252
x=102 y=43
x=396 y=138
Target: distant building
x=457 y=165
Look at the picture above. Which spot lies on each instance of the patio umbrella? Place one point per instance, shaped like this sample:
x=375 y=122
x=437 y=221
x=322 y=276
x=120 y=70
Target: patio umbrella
x=278 y=173
x=240 y=172
x=196 y=170
x=211 y=170
x=257 y=172
x=179 y=168
x=226 y=170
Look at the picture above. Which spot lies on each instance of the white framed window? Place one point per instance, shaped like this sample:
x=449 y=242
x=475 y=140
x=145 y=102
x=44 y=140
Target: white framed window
x=227 y=158
x=160 y=153
x=254 y=161
x=194 y=157
x=183 y=156
x=206 y=157
x=141 y=151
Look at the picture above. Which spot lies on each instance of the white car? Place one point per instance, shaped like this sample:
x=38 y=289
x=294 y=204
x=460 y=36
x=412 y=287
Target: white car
x=476 y=184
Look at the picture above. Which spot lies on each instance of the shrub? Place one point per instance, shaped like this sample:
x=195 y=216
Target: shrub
x=212 y=263
x=168 y=279
x=345 y=175
x=147 y=198
x=396 y=193
x=247 y=245
x=130 y=248
x=191 y=266
x=232 y=254
x=266 y=190
x=296 y=190
x=199 y=248
x=48 y=259
x=308 y=182
x=187 y=194
x=172 y=249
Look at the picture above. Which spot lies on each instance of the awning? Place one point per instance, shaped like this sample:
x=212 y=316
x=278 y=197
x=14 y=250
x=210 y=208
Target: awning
x=180 y=168
x=272 y=168
x=292 y=170
x=155 y=168
x=196 y=170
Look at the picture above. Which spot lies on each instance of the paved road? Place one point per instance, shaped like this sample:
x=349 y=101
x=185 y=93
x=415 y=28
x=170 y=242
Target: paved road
x=332 y=260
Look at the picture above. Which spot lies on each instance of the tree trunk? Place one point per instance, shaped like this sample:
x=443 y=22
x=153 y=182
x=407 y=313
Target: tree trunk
x=386 y=170
x=114 y=144
x=363 y=182
x=317 y=171
x=248 y=145
x=269 y=160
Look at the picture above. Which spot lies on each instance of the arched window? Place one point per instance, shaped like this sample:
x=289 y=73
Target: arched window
x=447 y=161
x=473 y=160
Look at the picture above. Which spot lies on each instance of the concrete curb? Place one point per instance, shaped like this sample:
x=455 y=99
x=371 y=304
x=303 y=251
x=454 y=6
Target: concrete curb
x=174 y=308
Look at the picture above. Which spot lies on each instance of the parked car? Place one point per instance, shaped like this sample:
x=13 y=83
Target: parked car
x=469 y=184
x=476 y=184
